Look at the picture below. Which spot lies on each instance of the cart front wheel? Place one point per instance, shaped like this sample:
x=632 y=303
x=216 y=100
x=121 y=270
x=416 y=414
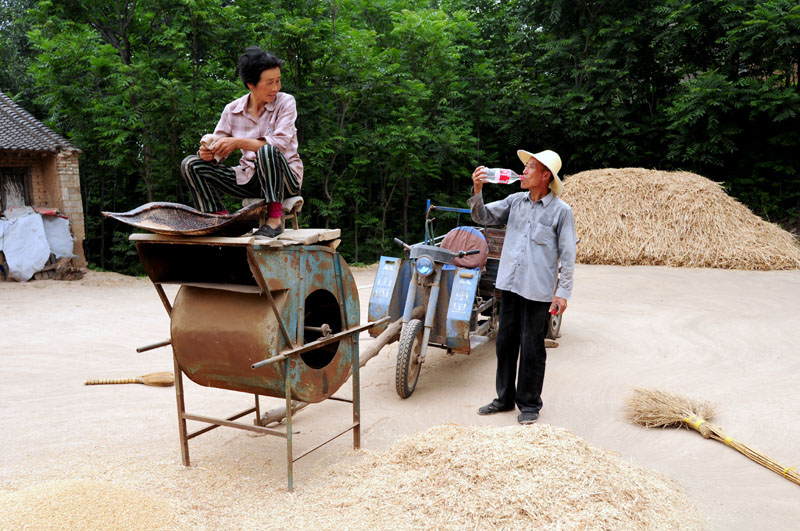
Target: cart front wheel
x=553 y=326
x=407 y=368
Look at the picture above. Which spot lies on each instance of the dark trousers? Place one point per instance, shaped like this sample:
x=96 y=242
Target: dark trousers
x=520 y=336
x=274 y=180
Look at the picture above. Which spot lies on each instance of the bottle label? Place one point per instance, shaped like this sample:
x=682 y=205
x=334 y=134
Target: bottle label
x=503 y=176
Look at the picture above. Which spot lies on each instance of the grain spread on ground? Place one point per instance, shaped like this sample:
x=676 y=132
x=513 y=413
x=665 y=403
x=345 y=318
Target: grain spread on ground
x=81 y=504
x=517 y=477
x=633 y=216
x=449 y=477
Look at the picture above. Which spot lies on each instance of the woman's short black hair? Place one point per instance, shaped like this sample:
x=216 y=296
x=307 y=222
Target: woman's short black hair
x=253 y=61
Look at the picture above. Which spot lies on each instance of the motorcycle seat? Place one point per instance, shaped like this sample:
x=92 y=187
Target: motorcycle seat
x=467 y=239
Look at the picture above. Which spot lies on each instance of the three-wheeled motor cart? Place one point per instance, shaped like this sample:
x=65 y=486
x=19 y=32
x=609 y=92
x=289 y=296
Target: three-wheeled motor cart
x=451 y=278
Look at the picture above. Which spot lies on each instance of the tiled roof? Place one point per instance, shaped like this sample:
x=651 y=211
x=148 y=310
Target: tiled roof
x=20 y=131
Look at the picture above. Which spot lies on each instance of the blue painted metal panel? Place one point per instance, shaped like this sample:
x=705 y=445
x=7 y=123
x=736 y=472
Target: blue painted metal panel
x=301 y=271
x=382 y=301
x=459 y=311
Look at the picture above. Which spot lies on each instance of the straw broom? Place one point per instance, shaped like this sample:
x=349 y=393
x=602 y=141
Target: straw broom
x=653 y=409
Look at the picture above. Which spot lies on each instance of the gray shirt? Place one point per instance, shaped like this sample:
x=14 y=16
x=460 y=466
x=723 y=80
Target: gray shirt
x=538 y=235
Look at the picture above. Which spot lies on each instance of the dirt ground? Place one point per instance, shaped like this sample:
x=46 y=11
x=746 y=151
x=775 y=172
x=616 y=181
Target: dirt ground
x=730 y=337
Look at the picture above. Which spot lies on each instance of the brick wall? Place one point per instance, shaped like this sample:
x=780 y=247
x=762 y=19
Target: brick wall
x=70 y=200
x=54 y=182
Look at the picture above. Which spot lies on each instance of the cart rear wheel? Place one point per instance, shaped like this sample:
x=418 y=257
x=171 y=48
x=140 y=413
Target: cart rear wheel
x=407 y=367
x=553 y=326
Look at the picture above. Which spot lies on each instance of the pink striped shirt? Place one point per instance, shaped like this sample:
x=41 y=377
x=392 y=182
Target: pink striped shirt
x=275 y=126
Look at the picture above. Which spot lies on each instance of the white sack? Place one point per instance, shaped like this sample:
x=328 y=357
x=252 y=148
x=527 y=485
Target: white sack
x=56 y=229
x=25 y=246
x=15 y=212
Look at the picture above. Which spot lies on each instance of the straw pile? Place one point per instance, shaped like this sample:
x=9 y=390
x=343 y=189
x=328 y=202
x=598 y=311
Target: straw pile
x=77 y=504
x=633 y=216
x=459 y=477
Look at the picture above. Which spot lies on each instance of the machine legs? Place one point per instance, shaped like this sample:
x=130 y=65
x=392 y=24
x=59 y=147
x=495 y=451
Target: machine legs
x=181 y=413
x=288 y=393
x=290 y=459
x=356 y=402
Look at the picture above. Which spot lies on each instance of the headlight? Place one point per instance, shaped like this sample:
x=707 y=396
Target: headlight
x=424 y=266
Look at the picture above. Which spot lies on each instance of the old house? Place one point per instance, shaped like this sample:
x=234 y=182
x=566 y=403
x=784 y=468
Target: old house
x=39 y=168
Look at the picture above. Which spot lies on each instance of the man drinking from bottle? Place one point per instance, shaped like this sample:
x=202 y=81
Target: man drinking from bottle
x=540 y=234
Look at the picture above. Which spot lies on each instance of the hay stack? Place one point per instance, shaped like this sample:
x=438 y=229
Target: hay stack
x=459 y=477
x=633 y=216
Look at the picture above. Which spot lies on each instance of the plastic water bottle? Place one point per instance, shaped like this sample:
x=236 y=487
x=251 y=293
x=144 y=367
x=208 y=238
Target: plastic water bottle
x=501 y=176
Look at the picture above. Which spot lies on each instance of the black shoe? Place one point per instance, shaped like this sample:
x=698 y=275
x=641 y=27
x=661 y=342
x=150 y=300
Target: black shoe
x=492 y=408
x=265 y=231
x=528 y=417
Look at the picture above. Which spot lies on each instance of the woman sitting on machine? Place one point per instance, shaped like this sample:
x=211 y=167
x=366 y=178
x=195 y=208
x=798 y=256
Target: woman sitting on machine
x=261 y=124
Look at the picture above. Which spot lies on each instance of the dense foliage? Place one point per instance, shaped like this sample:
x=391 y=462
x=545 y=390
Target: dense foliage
x=399 y=101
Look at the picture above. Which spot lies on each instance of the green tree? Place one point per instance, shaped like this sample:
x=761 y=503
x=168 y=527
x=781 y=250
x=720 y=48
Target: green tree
x=16 y=53
x=399 y=101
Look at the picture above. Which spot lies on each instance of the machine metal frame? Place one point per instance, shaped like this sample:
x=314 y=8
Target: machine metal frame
x=283 y=357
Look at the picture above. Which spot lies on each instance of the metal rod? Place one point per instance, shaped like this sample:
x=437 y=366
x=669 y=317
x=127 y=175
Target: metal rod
x=270 y=361
x=337 y=399
x=430 y=313
x=356 y=383
x=486 y=304
x=317 y=344
x=483 y=327
x=288 y=392
x=325 y=329
x=450 y=209
x=222 y=422
x=154 y=345
x=320 y=445
x=164 y=300
x=214 y=426
x=181 y=412
x=301 y=313
x=410 y=296
x=356 y=399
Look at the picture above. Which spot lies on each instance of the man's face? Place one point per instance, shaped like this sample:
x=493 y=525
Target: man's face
x=534 y=174
x=268 y=85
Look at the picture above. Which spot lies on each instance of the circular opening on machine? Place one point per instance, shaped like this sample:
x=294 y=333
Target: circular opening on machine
x=322 y=317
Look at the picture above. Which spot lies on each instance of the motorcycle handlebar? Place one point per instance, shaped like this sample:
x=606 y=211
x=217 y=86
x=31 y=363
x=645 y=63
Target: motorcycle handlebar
x=462 y=254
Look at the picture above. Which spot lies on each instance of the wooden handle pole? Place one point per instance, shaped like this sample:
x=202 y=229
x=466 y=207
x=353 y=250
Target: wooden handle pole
x=117 y=381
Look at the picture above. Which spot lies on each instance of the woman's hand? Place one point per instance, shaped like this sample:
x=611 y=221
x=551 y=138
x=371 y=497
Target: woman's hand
x=224 y=146
x=478 y=178
x=205 y=154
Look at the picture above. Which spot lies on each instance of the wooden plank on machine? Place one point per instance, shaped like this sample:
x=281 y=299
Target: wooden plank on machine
x=309 y=236
x=192 y=240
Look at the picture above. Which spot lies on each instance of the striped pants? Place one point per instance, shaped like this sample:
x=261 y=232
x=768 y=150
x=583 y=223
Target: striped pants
x=273 y=180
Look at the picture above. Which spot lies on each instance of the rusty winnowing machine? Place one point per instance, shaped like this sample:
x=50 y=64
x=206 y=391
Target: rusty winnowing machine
x=269 y=319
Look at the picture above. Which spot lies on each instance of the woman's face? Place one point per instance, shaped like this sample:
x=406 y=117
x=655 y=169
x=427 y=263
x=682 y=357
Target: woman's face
x=268 y=85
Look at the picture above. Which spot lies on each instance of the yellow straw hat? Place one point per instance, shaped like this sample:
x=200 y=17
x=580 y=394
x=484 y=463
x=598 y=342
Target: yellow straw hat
x=551 y=160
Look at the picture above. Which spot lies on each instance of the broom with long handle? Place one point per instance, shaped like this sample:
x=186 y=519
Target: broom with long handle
x=654 y=409
x=158 y=379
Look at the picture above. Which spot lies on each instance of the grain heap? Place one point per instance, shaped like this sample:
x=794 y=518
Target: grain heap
x=459 y=477
x=633 y=216
x=80 y=504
